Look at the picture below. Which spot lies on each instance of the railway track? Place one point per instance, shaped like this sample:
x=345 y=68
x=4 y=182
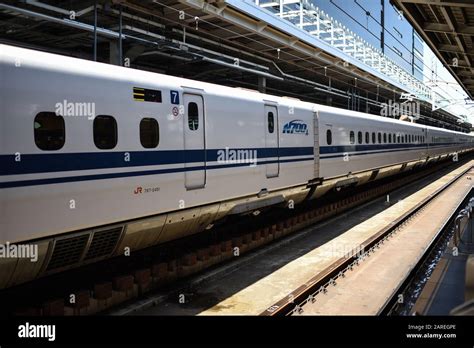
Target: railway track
x=106 y=285
x=307 y=294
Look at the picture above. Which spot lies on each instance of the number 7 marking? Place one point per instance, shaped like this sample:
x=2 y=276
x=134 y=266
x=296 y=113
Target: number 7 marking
x=174 y=97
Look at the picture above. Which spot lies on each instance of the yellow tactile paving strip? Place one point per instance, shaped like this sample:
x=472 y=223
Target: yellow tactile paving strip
x=257 y=297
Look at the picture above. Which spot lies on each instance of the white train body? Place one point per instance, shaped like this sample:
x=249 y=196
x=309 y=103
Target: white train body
x=220 y=151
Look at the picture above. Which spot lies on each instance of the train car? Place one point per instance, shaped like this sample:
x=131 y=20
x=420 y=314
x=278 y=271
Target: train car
x=355 y=148
x=96 y=159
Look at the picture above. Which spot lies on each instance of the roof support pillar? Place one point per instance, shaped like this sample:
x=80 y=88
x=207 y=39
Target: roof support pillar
x=262 y=84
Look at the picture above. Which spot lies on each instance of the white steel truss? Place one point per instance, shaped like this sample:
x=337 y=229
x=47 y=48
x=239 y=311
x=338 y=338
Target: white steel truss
x=310 y=18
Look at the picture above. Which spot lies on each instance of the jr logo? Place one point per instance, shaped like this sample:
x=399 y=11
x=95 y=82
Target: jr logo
x=295 y=127
x=138 y=190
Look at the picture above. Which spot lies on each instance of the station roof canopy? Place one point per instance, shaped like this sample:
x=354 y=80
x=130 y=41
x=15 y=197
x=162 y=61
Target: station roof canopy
x=447 y=26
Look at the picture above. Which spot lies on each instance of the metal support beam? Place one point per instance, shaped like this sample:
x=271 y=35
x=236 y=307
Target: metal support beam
x=448 y=28
x=450 y=20
x=453 y=3
x=95 y=30
x=114 y=53
x=67 y=22
x=120 y=38
x=262 y=84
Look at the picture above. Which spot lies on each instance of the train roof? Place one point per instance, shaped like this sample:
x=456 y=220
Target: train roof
x=351 y=113
x=55 y=62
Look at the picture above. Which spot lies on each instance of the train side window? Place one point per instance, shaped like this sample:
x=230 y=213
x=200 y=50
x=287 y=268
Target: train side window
x=373 y=137
x=270 y=122
x=390 y=138
x=149 y=133
x=328 y=137
x=359 y=137
x=50 y=132
x=105 y=132
x=379 y=136
x=384 y=137
x=367 y=137
x=352 y=137
x=193 y=116
x=394 y=137
x=406 y=138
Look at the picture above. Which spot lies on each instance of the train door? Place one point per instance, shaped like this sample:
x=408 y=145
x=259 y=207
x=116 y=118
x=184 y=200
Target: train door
x=272 y=141
x=424 y=140
x=194 y=142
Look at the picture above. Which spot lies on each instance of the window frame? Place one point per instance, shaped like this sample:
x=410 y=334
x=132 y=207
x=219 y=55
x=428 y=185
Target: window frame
x=270 y=124
x=328 y=137
x=37 y=132
x=115 y=131
x=195 y=118
x=155 y=121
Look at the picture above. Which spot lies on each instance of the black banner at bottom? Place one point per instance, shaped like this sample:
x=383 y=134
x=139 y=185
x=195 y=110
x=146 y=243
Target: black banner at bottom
x=134 y=330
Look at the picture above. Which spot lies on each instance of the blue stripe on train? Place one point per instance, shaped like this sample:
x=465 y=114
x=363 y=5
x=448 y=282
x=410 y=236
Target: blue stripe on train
x=63 y=162
x=374 y=147
x=59 y=162
x=40 y=163
x=360 y=152
x=137 y=173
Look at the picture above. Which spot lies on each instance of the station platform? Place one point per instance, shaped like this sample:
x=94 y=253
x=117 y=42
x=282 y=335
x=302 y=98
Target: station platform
x=257 y=297
x=446 y=288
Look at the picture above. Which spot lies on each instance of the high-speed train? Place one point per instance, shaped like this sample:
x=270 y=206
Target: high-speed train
x=96 y=159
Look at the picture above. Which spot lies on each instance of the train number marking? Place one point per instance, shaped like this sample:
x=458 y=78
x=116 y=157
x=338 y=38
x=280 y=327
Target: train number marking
x=174 y=95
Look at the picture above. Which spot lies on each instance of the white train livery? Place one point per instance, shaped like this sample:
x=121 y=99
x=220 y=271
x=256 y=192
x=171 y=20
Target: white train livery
x=96 y=158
